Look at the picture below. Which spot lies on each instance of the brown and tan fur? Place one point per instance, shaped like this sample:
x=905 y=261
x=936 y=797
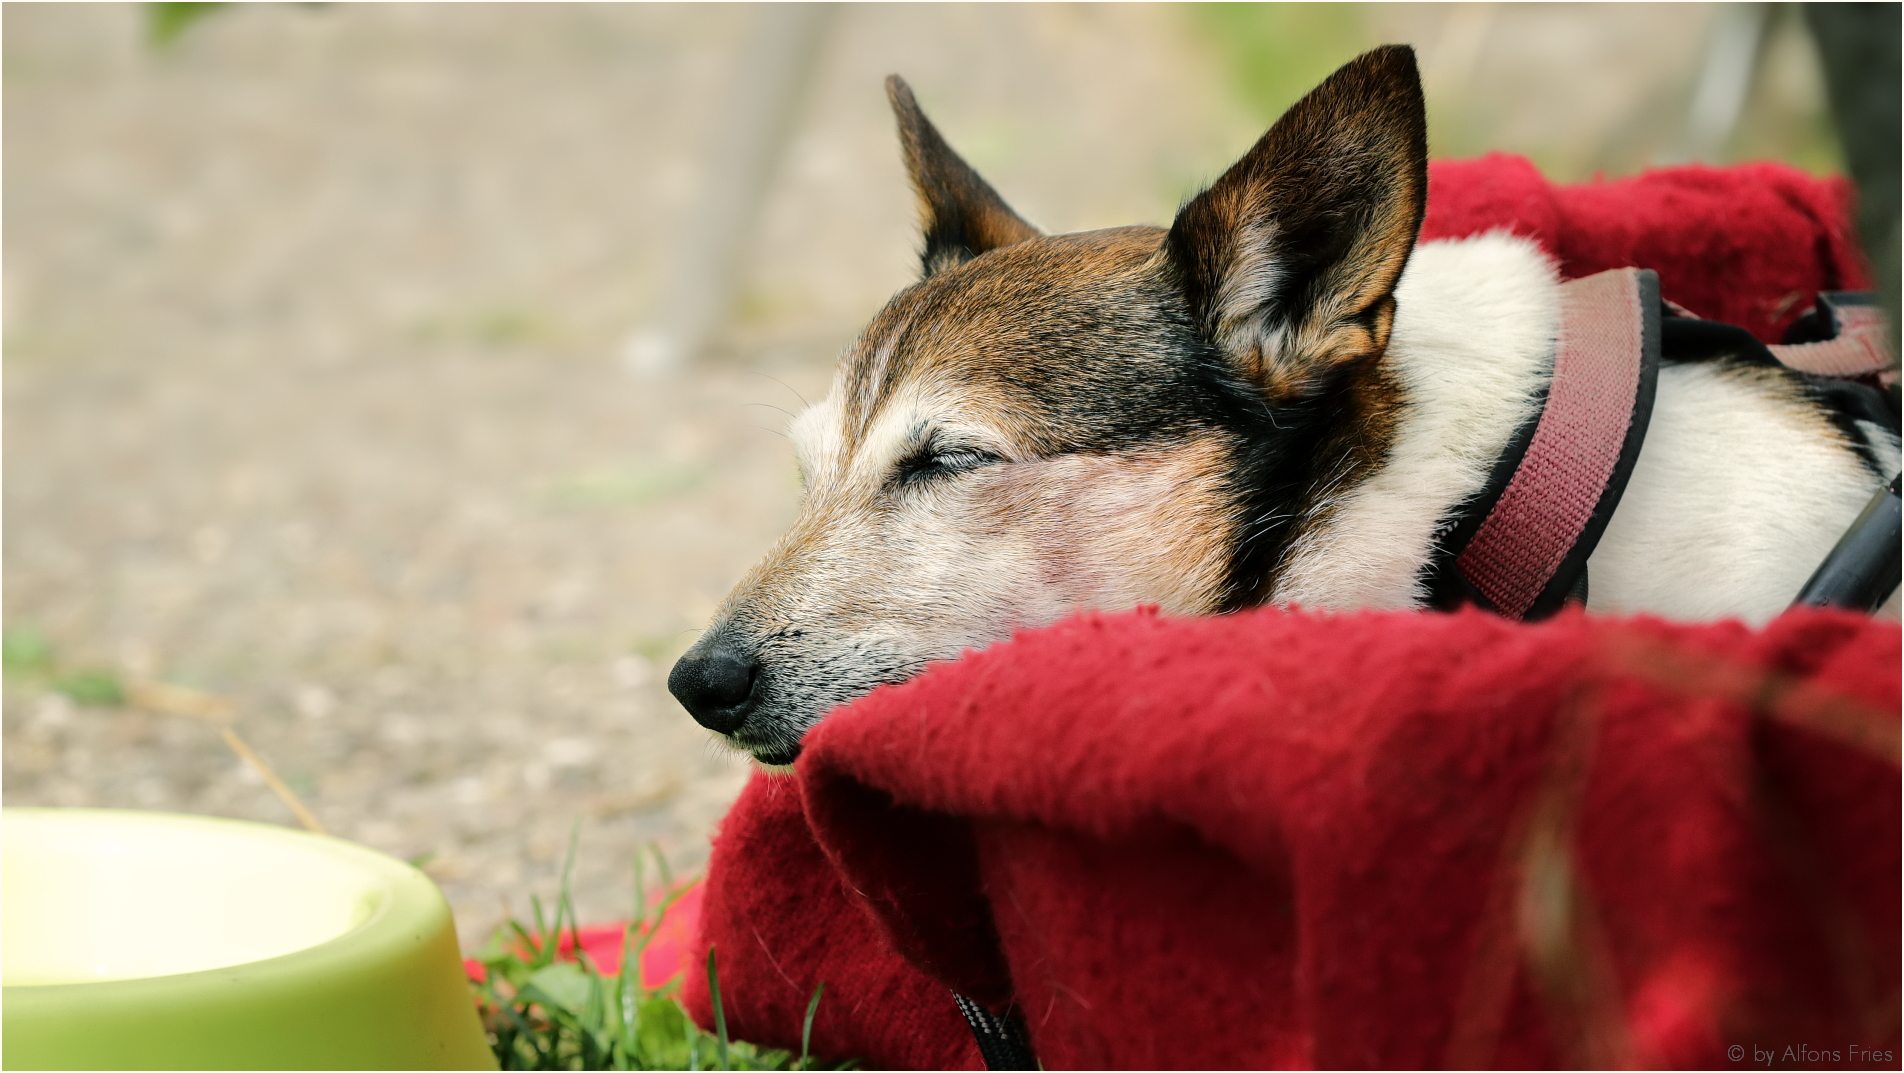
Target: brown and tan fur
x=1045 y=423
x=1132 y=416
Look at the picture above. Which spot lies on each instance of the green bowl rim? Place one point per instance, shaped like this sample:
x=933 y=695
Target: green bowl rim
x=412 y=906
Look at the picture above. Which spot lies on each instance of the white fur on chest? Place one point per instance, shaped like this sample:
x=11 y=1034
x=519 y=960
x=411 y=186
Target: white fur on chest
x=1472 y=346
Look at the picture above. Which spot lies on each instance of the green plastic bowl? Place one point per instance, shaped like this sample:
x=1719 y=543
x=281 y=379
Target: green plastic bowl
x=140 y=940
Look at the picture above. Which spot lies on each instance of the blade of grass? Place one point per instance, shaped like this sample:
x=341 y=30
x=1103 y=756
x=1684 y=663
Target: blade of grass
x=526 y=947
x=661 y=865
x=660 y=914
x=539 y=942
x=625 y=998
x=630 y=1038
x=594 y=1019
x=641 y=890
x=806 y=1028
x=567 y=905
x=720 y=1015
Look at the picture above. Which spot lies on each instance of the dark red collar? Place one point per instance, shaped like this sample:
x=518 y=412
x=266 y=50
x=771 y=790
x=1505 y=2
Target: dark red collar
x=1520 y=547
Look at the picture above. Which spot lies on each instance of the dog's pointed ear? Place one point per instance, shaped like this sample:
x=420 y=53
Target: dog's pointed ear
x=962 y=215
x=1289 y=260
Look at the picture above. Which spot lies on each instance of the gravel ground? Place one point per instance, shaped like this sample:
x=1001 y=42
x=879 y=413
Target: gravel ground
x=314 y=399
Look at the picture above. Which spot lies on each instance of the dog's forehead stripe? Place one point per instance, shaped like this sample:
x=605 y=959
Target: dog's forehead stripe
x=872 y=364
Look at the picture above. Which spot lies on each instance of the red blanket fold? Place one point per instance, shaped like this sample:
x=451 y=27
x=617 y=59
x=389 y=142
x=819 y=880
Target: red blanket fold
x=1386 y=840
x=1749 y=245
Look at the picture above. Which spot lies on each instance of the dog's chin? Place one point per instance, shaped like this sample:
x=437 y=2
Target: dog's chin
x=771 y=733
x=778 y=760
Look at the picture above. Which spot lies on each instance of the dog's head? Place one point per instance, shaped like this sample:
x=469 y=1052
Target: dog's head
x=1049 y=422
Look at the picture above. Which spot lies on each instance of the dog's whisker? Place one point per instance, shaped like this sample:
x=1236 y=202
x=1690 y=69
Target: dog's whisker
x=783 y=383
x=771 y=406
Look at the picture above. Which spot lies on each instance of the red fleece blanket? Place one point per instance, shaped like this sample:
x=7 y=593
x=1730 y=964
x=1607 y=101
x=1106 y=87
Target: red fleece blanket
x=1749 y=245
x=1361 y=840
x=1371 y=839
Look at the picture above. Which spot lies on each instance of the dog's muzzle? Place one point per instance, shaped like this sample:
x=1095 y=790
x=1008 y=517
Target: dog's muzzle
x=718 y=682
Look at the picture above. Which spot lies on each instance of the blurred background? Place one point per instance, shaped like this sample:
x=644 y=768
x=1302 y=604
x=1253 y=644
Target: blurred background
x=403 y=384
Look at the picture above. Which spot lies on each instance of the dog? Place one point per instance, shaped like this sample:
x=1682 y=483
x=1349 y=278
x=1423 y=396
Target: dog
x=1282 y=398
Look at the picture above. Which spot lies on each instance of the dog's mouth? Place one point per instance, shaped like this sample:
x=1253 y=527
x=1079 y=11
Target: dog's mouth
x=767 y=742
x=775 y=755
x=768 y=749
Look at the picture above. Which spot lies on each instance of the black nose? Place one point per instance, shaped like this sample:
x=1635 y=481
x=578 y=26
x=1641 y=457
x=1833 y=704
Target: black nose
x=714 y=685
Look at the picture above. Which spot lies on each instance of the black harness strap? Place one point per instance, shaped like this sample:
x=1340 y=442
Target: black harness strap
x=1002 y=1041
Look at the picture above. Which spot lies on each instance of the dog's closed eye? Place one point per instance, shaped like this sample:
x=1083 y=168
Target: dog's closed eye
x=936 y=463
